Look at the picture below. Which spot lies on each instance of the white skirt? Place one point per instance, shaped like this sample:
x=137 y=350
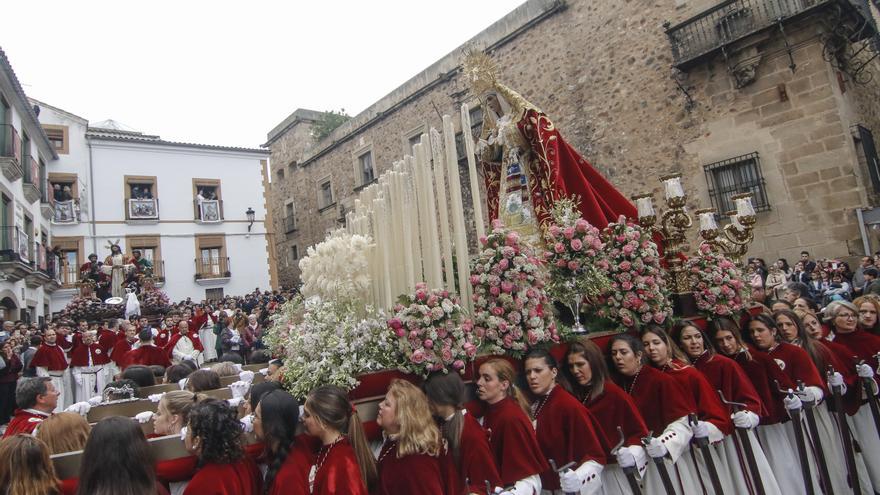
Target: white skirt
x=682 y=476
x=209 y=340
x=831 y=439
x=781 y=451
x=614 y=481
x=739 y=465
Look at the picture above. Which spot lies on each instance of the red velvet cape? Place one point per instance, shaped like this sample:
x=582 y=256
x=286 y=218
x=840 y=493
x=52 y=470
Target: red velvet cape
x=725 y=375
x=614 y=408
x=120 y=349
x=863 y=345
x=659 y=398
x=107 y=339
x=49 y=356
x=339 y=473
x=764 y=374
x=476 y=464
x=239 y=478
x=193 y=336
x=796 y=363
x=512 y=442
x=293 y=477
x=567 y=432
x=79 y=356
x=415 y=473
x=707 y=400
x=148 y=355
x=24 y=421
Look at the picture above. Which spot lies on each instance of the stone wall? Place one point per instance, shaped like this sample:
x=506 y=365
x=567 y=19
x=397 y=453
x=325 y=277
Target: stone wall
x=602 y=71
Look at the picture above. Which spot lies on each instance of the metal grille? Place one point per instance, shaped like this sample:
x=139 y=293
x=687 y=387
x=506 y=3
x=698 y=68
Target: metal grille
x=869 y=150
x=733 y=176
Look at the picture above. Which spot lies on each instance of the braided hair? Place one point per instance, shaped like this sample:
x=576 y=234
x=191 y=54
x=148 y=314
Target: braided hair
x=279 y=414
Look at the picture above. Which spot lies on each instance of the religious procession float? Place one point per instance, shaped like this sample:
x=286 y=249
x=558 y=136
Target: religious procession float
x=413 y=286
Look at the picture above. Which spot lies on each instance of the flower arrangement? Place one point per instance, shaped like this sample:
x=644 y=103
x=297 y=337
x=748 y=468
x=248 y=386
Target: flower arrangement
x=327 y=343
x=91 y=309
x=719 y=288
x=324 y=276
x=511 y=308
x=154 y=301
x=431 y=332
x=638 y=289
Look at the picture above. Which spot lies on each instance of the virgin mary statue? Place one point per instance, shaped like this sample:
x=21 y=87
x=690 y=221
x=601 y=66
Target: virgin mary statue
x=527 y=165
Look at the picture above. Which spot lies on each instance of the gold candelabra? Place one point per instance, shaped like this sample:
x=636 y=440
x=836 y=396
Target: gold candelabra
x=734 y=238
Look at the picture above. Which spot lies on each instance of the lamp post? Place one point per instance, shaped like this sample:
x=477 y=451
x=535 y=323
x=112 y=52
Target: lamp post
x=250 y=217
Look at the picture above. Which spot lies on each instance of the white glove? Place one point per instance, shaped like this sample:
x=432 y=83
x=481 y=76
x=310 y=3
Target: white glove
x=188 y=357
x=235 y=401
x=836 y=380
x=155 y=397
x=235 y=339
x=625 y=457
x=247 y=423
x=239 y=388
x=745 y=420
x=144 y=417
x=264 y=371
x=656 y=448
x=246 y=376
x=700 y=429
x=183 y=432
x=181 y=383
x=792 y=402
x=864 y=371
x=96 y=400
x=81 y=408
x=501 y=491
x=69 y=338
x=155 y=332
x=238 y=367
x=816 y=393
x=569 y=481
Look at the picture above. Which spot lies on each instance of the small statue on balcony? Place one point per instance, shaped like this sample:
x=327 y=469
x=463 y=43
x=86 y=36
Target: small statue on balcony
x=116 y=267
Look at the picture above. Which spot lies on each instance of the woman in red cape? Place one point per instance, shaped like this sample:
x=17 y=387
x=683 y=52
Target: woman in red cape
x=512 y=439
x=664 y=406
x=728 y=378
x=612 y=408
x=412 y=458
x=287 y=455
x=214 y=436
x=344 y=465
x=566 y=431
x=467 y=440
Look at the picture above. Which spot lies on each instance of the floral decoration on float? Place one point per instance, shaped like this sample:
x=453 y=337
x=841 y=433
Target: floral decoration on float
x=337 y=268
x=432 y=332
x=511 y=308
x=718 y=285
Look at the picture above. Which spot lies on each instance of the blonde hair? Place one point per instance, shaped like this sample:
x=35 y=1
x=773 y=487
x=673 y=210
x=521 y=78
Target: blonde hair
x=505 y=372
x=226 y=368
x=180 y=402
x=418 y=431
x=25 y=467
x=64 y=432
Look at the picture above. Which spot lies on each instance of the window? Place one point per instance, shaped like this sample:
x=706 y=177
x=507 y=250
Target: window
x=741 y=174
x=294 y=253
x=59 y=137
x=150 y=249
x=215 y=294
x=207 y=200
x=365 y=166
x=65 y=192
x=413 y=141
x=325 y=193
x=289 y=217
x=280 y=174
x=211 y=261
x=140 y=198
x=72 y=258
x=476 y=114
x=867 y=152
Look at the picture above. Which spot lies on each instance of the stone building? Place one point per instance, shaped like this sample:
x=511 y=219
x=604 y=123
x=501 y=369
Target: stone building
x=773 y=97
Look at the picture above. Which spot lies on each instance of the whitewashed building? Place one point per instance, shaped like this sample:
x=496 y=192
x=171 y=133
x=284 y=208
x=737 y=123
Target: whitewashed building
x=28 y=272
x=196 y=211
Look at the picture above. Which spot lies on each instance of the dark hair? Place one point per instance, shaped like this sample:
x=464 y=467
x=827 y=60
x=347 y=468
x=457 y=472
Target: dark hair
x=679 y=327
x=158 y=370
x=723 y=323
x=117 y=460
x=231 y=357
x=111 y=394
x=801 y=288
x=331 y=406
x=202 y=380
x=805 y=252
x=635 y=344
x=765 y=320
x=779 y=301
x=258 y=390
x=818 y=353
x=279 y=413
x=871 y=271
x=216 y=424
x=142 y=375
x=28 y=389
x=146 y=335
x=447 y=389
x=549 y=360
x=189 y=363
x=598 y=368
x=177 y=372
x=674 y=351
x=785 y=266
x=36 y=340
x=259 y=356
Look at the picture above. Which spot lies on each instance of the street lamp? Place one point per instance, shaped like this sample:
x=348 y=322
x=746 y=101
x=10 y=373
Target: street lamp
x=250 y=217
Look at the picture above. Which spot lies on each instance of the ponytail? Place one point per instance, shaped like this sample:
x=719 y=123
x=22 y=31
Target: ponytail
x=362 y=452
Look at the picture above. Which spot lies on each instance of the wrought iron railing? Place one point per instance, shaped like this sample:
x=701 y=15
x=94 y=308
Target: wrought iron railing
x=15 y=245
x=10 y=143
x=212 y=268
x=729 y=21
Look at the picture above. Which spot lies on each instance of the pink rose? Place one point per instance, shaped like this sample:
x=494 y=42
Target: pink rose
x=447 y=355
x=512 y=239
x=573 y=265
x=497 y=311
x=503 y=264
x=568 y=232
x=418 y=357
x=395 y=323
x=494 y=290
x=458 y=364
x=507 y=287
x=576 y=244
x=561 y=263
x=532 y=337
x=400 y=332
x=508 y=340
x=559 y=248
x=428 y=343
x=627 y=250
x=581 y=225
x=421 y=295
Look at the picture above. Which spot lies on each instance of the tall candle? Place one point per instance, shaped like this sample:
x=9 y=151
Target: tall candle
x=439 y=170
x=461 y=251
x=466 y=136
x=744 y=206
x=405 y=213
x=433 y=269
x=707 y=221
x=673 y=188
x=645 y=206
x=416 y=223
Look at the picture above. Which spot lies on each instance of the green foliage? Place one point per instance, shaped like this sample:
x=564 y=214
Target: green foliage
x=328 y=122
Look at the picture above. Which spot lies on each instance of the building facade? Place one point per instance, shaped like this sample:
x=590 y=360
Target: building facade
x=197 y=212
x=773 y=97
x=28 y=271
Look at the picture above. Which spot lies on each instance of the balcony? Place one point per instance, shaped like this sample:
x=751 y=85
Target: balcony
x=15 y=253
x=212 y=271
x=710 y=32
x=31 y=183
x=290 y=224
x=65 y=212
x=47 y=205
x=208 y=210
x=143 y=210
x=69 y=276
x=10 y=152
x=39 y=275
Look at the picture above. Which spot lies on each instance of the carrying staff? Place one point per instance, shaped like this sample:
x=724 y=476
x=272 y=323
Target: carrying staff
x=612 y=408
x=664 y=406
x=565 y=430
x=711 y=420
x=344 y=465
x=411 y=459
x=511 y=436
x=467 y=440
x=730 y=380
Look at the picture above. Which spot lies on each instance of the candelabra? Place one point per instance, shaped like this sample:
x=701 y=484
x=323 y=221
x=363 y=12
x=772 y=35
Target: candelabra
x=673 y=228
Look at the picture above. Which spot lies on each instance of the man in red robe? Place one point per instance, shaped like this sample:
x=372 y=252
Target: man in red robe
x=88 y=361
x=147 y=354
x=36 y=399
x=123 y=345
x=184 y=345
x=50 y=361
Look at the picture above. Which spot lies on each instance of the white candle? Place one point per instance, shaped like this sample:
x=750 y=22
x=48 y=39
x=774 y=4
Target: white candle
x=466 y=136
x=707 y=221
x=645 y=206
x=433 y=271
x=416 y=224
x=744 y=207
x=735 y=222
x=673 y=188
x=405 y=213
x=439 y=170
x=461 y=250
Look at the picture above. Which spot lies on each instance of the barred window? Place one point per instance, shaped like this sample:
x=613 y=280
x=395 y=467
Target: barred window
x=738 y=175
